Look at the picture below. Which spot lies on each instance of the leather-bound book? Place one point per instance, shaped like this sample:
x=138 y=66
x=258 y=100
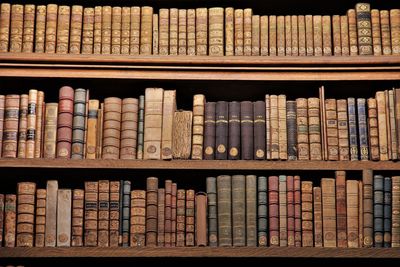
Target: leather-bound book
x=182 y=32
x=40 y=219
x=78 y=196
x=201 y=31
x=352 y=213
x=392 y=122
x=273 y=210
x=309 y=35
x=314 y=129
x=2 y=104
x=25 y=214
x=173 y=214
x=106 y=24
x=251 y=210
x=151 y=211
x=212 y=213
x=351 y=106
x=262 y=211
x=282 y=127
x=307 y=214
x=190 y=218
x=382 y=129
x=247 y=34
x=92 y=129
x=239 y=210
x=364 y=28
x=360 y=214
x=134 y=45
x=344 y=35
x=283 y=211
x=140 y=136
x=112 y=128
x=182 y=134
x=329 y=212
x=216 y=31
x=267 y=127
x=126 y=212
x=326 y=35
x=2 y=199
x=51 y=213
x=125 y=30
x=387 y=212
x=343 y=129
x=40 y=29
x=155 y=34
x=98 y=19
x=353 y=40
x=234 y=130
x=138 y=218
x=264 y=40
x=224 y=189
x=297 y=211
x=378 y=210
x=385 y=32
x=317 y=206
x=64 y=203
x=239 y=38
x=323 y=117
x=221 y=130
x=164 y=31
x=10 y=130
x=395 y=30
x=63 y=28
x=22 y=127
x=198 y=126
x=201 y=219
x=146 y=28
x=88 y=30
x=168 y=126
x=303 y=149
x=104 y=214
x=78 y=124
x=173 y=31
x=395 y=211
x=302 y=35
x=332 y=129
x=362 y=129
x=368 y=205
x=295 y=35
x=161 y=217
x=10 y=216
x=288 y=35
x=153 y=112
x=91 y=213
x=129 y=124
x=259 y=129
x=191 y=32
x=64 y=122
x=50 y=130
x=280 y=35
x=341 y=215
x=115 y=222
x=290 y=210
x=209 y=130
x=76 y=29
x=5 y=15
x=388 y=127
x=291 y=120
x=39 y=125
x=246 y=130
x=229 y=31
x=29 y=28
x=337 y=46
x=16 y=29
x=100 y=123
x=376 y=32
x=168 y=213
x=116 y=24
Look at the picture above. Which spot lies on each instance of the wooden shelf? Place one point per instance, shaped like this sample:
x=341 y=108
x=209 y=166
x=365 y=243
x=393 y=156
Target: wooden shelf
x=199 y=67
x=198 y=252
x=198 y=165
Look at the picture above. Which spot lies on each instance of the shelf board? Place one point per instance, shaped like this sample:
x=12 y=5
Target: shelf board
x=198 y=164
x=199 y=67
x=197 y=252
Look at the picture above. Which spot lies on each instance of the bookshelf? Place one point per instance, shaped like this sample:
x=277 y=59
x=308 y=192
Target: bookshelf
x=199 y=74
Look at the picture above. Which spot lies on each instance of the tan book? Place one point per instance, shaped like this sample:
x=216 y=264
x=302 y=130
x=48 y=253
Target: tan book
x=360 y=214
x=64 y=207
x=392 y=123
x=23 y=123
x=274 y=126
x=51 y=213
x=337 y=44
x=76 y=29
x=17 y=27
x=295 y=35
x=91 y=213
x=341 y=214
x=114 y=212
x=151 y=211
x=344 y=35
x=146 y=29
x=317 y=205
x=317 y=34
x=25 y=214
x=328 y=212
x=29 y=28
x=352 y=22
x=116 y=26
x=302 y=35
x=239 y=37
x=373 y=129
x=169 y=107
x=191 y=32
x=50 y=130
x=288 y=35
x=395 y=211
x=198 y=126
x=138 y=218
x=255 y=35
x=182 y=134
x=324 y=139
x=40 y=220
x=382 y=129
x=135 y=30
x=352 y=213
x=364 y=29
x=99 y=141
x=309 y=35
x=155 y=34
x=314 y=129
x=376 y=32
x=272 y=35
x=267 y=127
x=182 y=32
x=111 y=128
x=395 y=30
x=332 y=129
x=31 y=126
x=129 y=125
x=280 y=35
x=216 y=31
x=104 y=214
x=247 y=23
x=40 y=29
x=343 y=129
x=153 y=123
x=385 y=32
x=10 y=130
x=282 y=126
x=39 y=123
x=173 y=31
x=307 y=213
x=164 y=32
x=88 y=30
x=63 y=28
x=201 y=31
x=106 y=26
x=5 y=19
x=303 y=148
x=125 y=30
x=98 y=17
x=264 y=40
x=326 y=36
x=78 y=196
x=229 y=31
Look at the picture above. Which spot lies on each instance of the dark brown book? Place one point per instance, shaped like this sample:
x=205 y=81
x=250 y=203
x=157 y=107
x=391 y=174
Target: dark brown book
x=151 y=211
x=209 y=130
x=246 y=131
x=221 y=130
x=23 y=123
x=291 y=121
x=234 y=130
x=224 y=204
x=259 y=129
x=368 y=211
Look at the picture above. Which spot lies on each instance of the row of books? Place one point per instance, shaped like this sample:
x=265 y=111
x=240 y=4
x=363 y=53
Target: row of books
x=237 y=210
x=151 y=127
x=201 y=31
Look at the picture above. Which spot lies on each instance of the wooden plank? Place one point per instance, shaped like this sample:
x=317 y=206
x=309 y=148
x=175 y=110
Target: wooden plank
x=198 y=164
x=280 y=252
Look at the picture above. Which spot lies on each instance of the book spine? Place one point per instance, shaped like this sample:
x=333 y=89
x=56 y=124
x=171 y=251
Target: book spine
x=302 y=35
x=290 y=211
x=364 y=29
x=173 y=31
x=201 y=219
x=387 y=212
x=247 y=34
x=343 y=129
x=221 y=130
x=246 y=131
x=212 y=213
x=10 y=215
x=395 y=30
x=351 y=106
x=297 y=211
x=274 y=126
x=92 y=129
x=155 y=34
x=50 y=130
x=385 y=32
x=76 y=29
x=40 y=220
x=198 y=126
x=201 y=31
x=272 y=35
x=146 y=28
x=100 y=123
x=153 y=111
x=382 y=129
x=395 y=211
x=216 y=31
x=288 y=35
x=103 y=234
x=88 y=30
x=362 y=129
x=332 y=129
x=126 y=213
x=360 y=214
x=353 y=41
x=259 y=130
x=283 y=211
x=295 y=35
x=264 y=40
x=337 y=45
x=126 y=30
x=63 y=28
x=51 y=28
x=234 y=130
x=112 y=128
x=352 y=213
x=106 y=27
x=239 y=38
x=39 y=125
x=151 y=211
x=16 y=29
x=341 y=215
x=161 y=218
x=64 y=203
x=115 y=222
x=273 y=210
x=317 y=206
x=280 y=35
x=329 y=212
x=251 y=210
x=239 y=210
x=344 y=35
x=182 y=32
x=168 y=213
x=180 y=218
x=376 y=32
x=262 y=211
x=378 y=208
x=64 y=122
x=224 y=189
x=282 y=127
x=267 y=127
x=2 y=206
x=368 y=212
x=164 y=31
x=303 y=149
x=314 y=129
x=191 y=32
x=326 y=36
x=51 y=213
x=255 y=35
x=5 y=18
x=116 y=26
x=10 y=130
x=140 y=136
x=182 y=134
x=138 y=218
x=78 y=197
x=309 y=35
x=29 y=28
x=97 y=32
x=91 y=213
x=25 y=214
x=40 y=29
x=129 y=124
x=291 y=129
x=190 y=217
x=78 y=124
x=23 y=123
x=31 y=123
x=169 y=108
x=229 y=31
x=134 y=45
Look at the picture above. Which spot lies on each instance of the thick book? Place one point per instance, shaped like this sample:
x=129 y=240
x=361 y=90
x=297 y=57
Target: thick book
x=129 y=125
x=168 y=113
x=64 y=122
x=239 y=210
x=291 y=129
x=180 y=217
x=387 y=212
x=138 y=218
x=115 y=222
x=246 y=131
x=78 y=124
x=182 y=134
x=317 y=213
x=234 y=130
x=259 y=129
x=224 y=204
x=5 y=15
x=198 y=126
x=10 y=130
x=26 y=192
x=212 y=213
x=190 y=218
x=251 y=210
x=201 y=219
x=216 y=31
x=173 y=31
x=51 y=213
x=153 y=112
x=29 y=28
x=76 y=29
x=16 y=29
x=112 y=128
x=329 y=212
x=10 y=215
x=151 y=211
x=91 y=214
x=303 y=147
x=221 y=130
x=364 y=28
x=64 y=207
x=78 y=198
